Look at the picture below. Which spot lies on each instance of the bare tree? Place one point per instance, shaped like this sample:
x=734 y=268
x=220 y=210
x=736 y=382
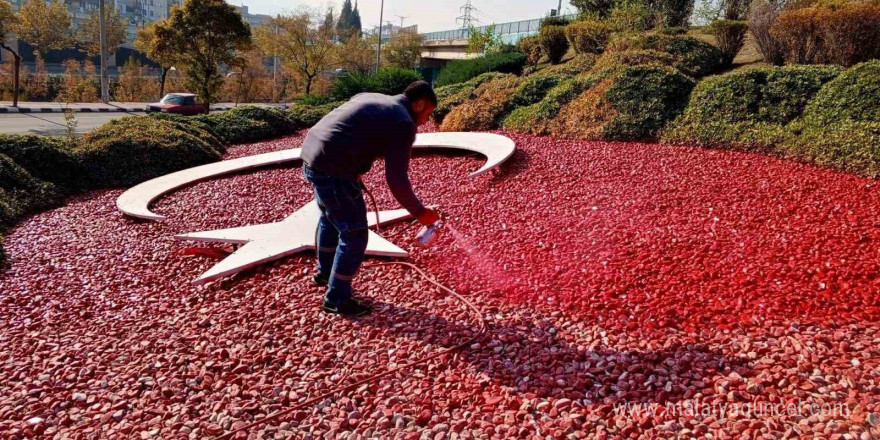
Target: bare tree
x=301 y=43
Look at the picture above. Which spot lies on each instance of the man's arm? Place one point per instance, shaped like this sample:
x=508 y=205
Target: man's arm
x=397 y=171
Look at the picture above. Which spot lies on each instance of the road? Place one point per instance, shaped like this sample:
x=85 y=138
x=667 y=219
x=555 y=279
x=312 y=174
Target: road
x=53 y=123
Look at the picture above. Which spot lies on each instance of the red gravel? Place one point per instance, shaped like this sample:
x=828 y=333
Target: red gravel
x=609 y=272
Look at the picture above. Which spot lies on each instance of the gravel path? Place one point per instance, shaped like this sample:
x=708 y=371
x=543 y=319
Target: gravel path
x=609 y=273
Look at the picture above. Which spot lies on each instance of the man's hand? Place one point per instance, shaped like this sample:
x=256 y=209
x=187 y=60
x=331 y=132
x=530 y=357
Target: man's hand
x=429 y=217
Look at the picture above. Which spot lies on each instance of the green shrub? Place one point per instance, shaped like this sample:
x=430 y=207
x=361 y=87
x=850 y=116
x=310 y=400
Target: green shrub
x=46 y=158
x=628 y=103
x=588 y=36
x=460 y=71
x=279 y=121
x=458 y=93
x=730 y=35
x=635 y=58
x=849 y=146
x=534 y=88
x=131 y=150
x=553 y=42
x=554 y=20
x=236 y=129
x=491 y=102
x=314 y=100
x=748 y=109
x=308 y=115
x=536 y=118
x=631 y=16
x=21 y=193
x=578 y=65
x=853 y=96
x=388 y=80
x=693 y=57
x=531 y=47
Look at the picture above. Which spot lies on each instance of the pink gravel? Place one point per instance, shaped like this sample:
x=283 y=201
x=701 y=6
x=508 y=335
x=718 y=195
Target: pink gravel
x=610 y=273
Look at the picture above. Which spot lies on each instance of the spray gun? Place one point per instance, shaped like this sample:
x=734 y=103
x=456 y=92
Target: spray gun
x=428 y=234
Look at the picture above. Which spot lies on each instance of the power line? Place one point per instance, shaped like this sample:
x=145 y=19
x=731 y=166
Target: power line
x=467 y=18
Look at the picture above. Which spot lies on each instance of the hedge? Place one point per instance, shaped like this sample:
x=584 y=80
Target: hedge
x=588 y=36
x=450 y=96
x=853 y=96
x=131 y=150
x=21 y=193
x=628 y=103
x=493 y=100
x=693 y=57
x=307 y=116
x=531 y=47
x=280 y=122
x=578 y=65
x=388 y=80
x=635 y=57
x=460 y=71
x=534 y=88
x=848 y=145
x=46 y=158
x=747 y=108
x=536 y=118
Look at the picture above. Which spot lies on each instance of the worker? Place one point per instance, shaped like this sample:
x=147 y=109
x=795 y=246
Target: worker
x=336 y=153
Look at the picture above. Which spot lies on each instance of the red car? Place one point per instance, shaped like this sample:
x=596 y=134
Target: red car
x=180 y=103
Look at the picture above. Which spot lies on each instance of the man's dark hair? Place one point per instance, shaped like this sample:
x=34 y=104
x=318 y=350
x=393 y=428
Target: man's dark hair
x=420 y=90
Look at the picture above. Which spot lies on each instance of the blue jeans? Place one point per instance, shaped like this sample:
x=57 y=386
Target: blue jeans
x=342 y=231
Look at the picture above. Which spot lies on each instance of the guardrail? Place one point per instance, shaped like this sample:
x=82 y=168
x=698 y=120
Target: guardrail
x=510 y=32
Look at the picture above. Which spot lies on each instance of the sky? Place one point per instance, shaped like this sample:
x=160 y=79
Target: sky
x=430 y=15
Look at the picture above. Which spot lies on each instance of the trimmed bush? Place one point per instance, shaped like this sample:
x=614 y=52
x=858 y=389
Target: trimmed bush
x=844 y=33
x=314 y=100
x=631 y=16
x=458 y=93
x=554 y=20
x=635 y=58
x=588 y=36
x=46 y=158
x=493 y=100
x=306 y=116
x=460 y=71
x=531 y=47
x=693 y=57
x=748 y=109
x=553 y=42
x=578 y=65
x=236 y=129
x=131 y=150
x=848 y=146
x=730 y=35
x=854 y=95
x=279 y=121
x=629 y=103
x=21 y=193
x=534 y=88
x=388 y=80
x=536 y=118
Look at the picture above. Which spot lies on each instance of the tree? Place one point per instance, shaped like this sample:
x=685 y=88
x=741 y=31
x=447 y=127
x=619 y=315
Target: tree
x=403 y=50
x=43 y=26
x=158 y=47
x=597 y=8
x=329 y=24
x=356 y=28
x=357 y=54
x=46 y=26
x=204 y=34
x=89 y=35
x=483 y=41
x=305 y=47
x=344 y=22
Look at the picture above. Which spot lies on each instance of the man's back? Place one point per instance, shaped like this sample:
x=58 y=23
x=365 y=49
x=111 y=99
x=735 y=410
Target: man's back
x=369 y=126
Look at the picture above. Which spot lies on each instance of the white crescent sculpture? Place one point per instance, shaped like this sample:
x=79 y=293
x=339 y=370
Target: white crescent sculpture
x=136 y=201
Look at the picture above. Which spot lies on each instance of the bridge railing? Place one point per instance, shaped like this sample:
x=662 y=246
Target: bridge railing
x=510 y=32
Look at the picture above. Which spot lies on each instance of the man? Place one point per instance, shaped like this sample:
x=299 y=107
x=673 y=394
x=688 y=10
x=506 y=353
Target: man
x=338 y=150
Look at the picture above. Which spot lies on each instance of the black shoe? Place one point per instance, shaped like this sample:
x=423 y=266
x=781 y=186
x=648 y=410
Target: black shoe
x=321 y=280
x=349 y=308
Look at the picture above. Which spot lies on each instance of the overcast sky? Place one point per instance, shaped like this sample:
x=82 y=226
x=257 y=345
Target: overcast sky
x=430 y=15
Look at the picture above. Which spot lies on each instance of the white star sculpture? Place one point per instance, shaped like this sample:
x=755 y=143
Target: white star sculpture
x=296 y=233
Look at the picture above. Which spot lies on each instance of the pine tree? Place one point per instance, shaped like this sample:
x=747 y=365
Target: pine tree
x=356 y=21
x=343 y=26
x=329 y=22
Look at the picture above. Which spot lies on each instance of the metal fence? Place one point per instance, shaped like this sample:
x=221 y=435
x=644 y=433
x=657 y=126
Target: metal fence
x=510 y=33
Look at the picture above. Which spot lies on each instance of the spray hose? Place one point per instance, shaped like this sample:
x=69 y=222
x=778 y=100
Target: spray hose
x=480 y=331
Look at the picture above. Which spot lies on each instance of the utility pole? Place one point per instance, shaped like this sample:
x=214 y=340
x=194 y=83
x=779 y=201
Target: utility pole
x=402 y=17
x=274 y=66
x=467 y=18
x=105 y=91
x=379 y=47
x=559 y=9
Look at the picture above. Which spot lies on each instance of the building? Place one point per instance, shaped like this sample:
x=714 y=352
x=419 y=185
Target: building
x=254 y=20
